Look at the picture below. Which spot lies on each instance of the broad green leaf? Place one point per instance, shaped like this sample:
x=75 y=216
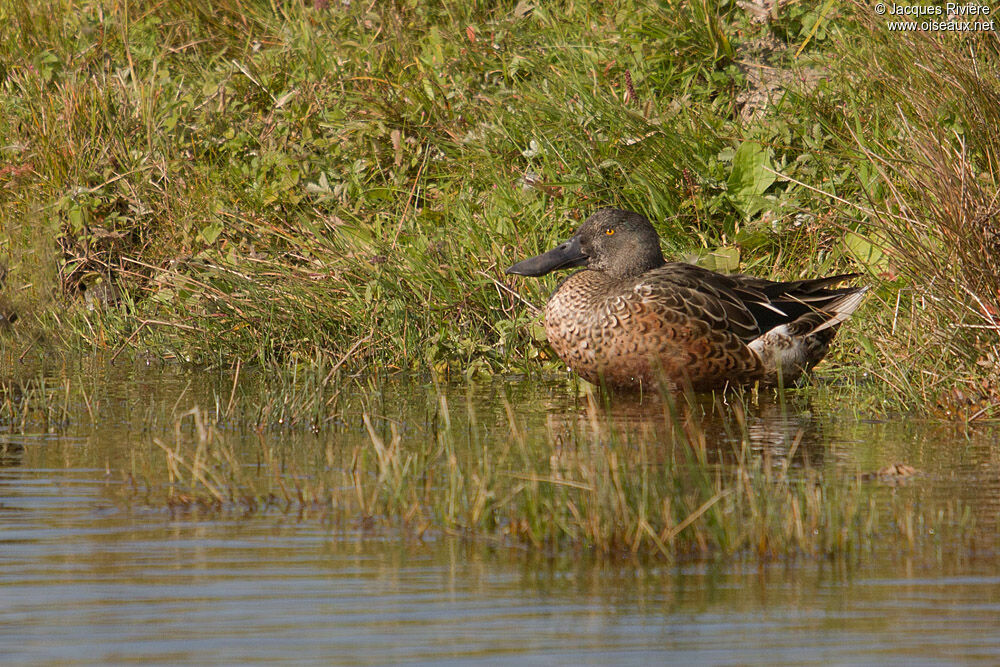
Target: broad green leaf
x=723 y=260
x=866 y=252
x=752 y=175
x=211 y=232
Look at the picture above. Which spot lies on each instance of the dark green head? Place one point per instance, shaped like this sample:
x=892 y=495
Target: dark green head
x=619 y=243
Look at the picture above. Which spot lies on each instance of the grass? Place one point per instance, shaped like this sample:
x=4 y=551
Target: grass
x=286 y=191
x=548 y=469
x=283 y=184
x=596 y=482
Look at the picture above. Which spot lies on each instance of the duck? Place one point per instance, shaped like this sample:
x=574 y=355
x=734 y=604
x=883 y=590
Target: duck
x=630 y=319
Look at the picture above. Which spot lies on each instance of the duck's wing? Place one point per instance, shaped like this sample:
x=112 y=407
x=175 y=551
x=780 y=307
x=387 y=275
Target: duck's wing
x=789 y=301
x=744 y=305
x=702 y=295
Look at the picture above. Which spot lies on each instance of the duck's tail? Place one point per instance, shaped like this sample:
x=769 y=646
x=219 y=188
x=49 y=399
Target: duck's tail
x=790 y=349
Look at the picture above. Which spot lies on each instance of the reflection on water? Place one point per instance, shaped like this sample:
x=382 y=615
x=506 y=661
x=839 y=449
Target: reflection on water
x=87 y=579
x=722 y=423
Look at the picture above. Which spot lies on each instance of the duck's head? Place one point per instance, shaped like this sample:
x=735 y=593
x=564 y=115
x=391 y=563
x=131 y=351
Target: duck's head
x=619 y=243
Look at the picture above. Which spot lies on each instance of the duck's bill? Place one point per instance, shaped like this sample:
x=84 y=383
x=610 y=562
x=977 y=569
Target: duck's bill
x=565 y=255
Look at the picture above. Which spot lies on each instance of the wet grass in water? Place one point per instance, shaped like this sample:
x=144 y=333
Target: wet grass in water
x=651 y=479
x=553 y=469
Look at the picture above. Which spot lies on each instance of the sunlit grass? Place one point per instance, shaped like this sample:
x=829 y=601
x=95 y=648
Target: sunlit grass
x=596 y=481
x=553 y=471
x=284 y=184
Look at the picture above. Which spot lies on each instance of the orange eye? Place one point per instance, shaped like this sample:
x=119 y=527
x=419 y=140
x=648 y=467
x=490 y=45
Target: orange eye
x=609 y=231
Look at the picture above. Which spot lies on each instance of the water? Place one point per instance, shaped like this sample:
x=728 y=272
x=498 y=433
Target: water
x=90 y=578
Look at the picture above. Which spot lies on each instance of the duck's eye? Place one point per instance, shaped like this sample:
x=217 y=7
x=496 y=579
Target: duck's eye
x=609 y=231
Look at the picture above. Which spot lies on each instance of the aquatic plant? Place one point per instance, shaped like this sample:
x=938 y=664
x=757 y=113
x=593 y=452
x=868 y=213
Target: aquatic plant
x=597 y=480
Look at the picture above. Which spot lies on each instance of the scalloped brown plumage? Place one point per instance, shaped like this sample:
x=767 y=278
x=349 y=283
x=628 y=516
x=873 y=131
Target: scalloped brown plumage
x=631 y=319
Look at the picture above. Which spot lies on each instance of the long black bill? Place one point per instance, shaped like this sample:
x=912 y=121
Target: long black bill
x=563 y=256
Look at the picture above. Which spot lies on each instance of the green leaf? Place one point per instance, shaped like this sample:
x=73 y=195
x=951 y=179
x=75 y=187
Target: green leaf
x=866 y=252
x=210 y=232
x=723 y=260
x=76 y=218
x=378 y=194
x=752 y=175
x=752 y=239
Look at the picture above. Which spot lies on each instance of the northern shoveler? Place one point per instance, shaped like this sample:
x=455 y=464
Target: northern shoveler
x=630 y=318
